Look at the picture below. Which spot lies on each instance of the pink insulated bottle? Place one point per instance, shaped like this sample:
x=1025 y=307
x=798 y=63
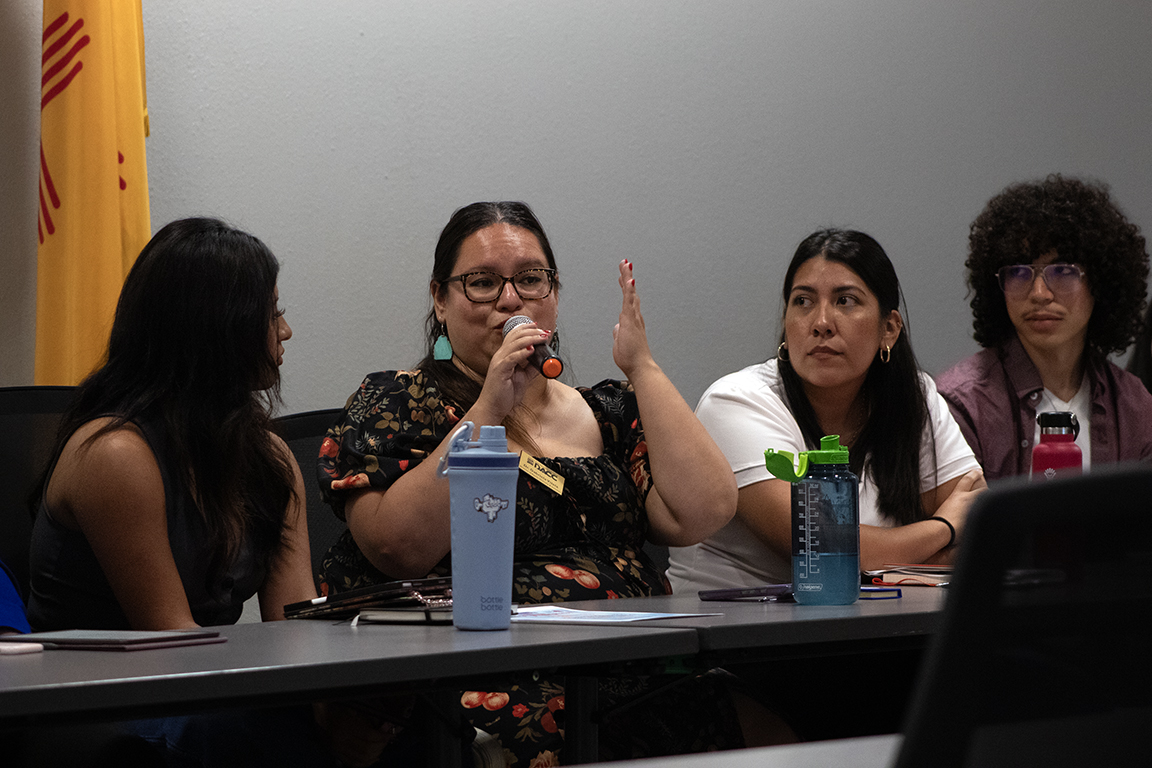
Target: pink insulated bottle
x=1057 y=454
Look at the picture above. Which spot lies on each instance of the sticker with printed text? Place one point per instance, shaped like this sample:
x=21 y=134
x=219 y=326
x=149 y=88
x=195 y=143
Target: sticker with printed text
x=550 y=478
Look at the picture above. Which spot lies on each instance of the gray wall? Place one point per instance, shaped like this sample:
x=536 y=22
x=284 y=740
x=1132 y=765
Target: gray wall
x=701 y=140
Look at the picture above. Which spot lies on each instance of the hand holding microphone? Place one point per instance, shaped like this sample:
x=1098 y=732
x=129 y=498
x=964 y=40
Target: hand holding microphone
x=543 y=358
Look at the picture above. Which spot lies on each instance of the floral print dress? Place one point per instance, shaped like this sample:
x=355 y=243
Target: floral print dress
x=585 y=543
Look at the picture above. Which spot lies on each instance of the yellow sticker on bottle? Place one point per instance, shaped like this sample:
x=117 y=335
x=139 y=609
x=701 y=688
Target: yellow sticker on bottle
x=549 y=477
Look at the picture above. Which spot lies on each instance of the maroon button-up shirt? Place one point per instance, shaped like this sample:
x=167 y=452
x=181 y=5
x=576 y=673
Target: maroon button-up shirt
x=993 y=396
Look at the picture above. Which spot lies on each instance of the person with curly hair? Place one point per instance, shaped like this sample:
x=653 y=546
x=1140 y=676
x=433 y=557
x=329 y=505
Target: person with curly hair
x=1058 y=277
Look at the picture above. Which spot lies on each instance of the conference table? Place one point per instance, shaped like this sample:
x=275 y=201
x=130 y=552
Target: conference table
x=264 y=664
x=734 y=627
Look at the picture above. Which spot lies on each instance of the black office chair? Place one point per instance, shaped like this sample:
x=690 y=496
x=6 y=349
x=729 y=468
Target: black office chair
x=1043 y=656
x=29 y=418
x=659 y=554
x=304 y=432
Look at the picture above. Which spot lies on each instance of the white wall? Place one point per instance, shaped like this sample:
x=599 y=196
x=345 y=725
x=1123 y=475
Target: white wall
x=702 y=140
x=19 y=165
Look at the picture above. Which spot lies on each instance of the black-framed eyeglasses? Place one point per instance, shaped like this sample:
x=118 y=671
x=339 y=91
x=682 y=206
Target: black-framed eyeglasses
x=483 y=287
x=1060 y=278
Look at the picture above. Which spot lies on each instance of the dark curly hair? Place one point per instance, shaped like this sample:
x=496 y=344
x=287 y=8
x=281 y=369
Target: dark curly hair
x=1080 y=222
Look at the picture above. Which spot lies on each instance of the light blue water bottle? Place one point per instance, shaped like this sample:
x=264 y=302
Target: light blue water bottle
x=825 y=523
x=482 y=479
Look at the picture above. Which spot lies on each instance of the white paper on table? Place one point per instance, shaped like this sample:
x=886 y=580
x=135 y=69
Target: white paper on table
x=558 y=614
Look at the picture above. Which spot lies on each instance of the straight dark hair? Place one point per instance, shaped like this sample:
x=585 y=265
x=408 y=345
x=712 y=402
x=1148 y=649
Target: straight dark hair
x=888 y=446
x=189 y=352
x=454 y=385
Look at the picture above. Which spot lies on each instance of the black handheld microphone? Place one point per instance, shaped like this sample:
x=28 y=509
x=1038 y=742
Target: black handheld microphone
x=543 y=359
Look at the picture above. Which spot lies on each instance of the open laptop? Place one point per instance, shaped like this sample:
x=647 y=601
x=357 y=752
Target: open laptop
x=1044 y=656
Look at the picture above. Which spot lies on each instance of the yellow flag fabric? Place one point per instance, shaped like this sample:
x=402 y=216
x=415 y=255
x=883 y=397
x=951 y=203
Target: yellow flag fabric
x=93 y=217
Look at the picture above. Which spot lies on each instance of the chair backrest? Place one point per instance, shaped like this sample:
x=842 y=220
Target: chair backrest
x=29 y=418
x=304 y=432
x=659 y=554
x=1044 y=655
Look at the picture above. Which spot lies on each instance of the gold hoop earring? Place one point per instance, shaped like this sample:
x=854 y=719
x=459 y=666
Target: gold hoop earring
x=782 y=351
x=886 y=353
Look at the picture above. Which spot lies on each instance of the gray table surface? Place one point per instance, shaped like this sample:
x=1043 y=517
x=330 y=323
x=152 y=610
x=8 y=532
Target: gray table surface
x=763 y=625
x=295 y=661
x=279 y=662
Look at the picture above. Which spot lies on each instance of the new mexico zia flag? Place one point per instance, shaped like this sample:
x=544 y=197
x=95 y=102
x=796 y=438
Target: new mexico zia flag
x=93 y=178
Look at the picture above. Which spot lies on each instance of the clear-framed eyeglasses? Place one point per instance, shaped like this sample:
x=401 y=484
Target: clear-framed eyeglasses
x=1017 y=279
x=483 y=287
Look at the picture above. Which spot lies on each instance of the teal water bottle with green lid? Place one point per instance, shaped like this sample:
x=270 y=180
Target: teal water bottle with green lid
x=825 y=522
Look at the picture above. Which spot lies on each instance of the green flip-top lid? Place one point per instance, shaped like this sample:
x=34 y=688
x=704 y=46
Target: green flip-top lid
x=780 y=463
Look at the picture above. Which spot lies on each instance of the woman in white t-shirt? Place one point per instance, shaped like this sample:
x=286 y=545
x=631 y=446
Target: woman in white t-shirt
x=844 y=367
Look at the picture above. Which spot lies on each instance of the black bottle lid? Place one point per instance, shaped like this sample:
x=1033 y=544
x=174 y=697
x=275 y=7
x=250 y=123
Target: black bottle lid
x=1058 y=422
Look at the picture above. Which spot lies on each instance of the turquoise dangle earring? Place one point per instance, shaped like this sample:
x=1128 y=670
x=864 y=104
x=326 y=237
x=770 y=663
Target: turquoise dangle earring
x=442 y=350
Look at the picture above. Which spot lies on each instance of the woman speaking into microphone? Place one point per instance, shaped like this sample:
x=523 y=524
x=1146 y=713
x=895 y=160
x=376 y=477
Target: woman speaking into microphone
x=542 y=358
x=635 y=465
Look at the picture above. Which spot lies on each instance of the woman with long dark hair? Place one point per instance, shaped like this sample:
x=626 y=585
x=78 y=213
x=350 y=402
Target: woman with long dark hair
x=168 y=501
x=844 y=367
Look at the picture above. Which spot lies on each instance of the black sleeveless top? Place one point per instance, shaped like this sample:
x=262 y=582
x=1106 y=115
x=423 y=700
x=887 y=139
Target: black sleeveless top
x=68 y=589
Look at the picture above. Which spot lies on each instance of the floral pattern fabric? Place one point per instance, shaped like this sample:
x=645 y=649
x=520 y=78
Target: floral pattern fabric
x=585 y=543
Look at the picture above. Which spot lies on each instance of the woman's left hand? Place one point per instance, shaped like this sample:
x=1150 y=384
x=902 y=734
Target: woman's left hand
x=629 y=338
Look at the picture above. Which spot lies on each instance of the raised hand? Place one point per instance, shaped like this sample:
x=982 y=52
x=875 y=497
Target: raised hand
x=629 y=337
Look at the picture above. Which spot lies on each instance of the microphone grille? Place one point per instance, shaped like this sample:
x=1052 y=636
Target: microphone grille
x=515 y=321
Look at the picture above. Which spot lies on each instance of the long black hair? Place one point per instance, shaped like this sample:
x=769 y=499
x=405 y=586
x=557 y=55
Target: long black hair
x=897 y=410
x=454 y=385
x=189 y=351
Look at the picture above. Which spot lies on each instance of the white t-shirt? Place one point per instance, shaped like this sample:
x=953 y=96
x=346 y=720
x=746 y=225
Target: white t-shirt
x=746 y=413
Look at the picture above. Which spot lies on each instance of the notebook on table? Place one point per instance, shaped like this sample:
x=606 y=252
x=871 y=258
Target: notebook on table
x=118 y=639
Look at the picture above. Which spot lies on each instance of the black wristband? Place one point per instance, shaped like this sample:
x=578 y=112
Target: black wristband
x=951 y=530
